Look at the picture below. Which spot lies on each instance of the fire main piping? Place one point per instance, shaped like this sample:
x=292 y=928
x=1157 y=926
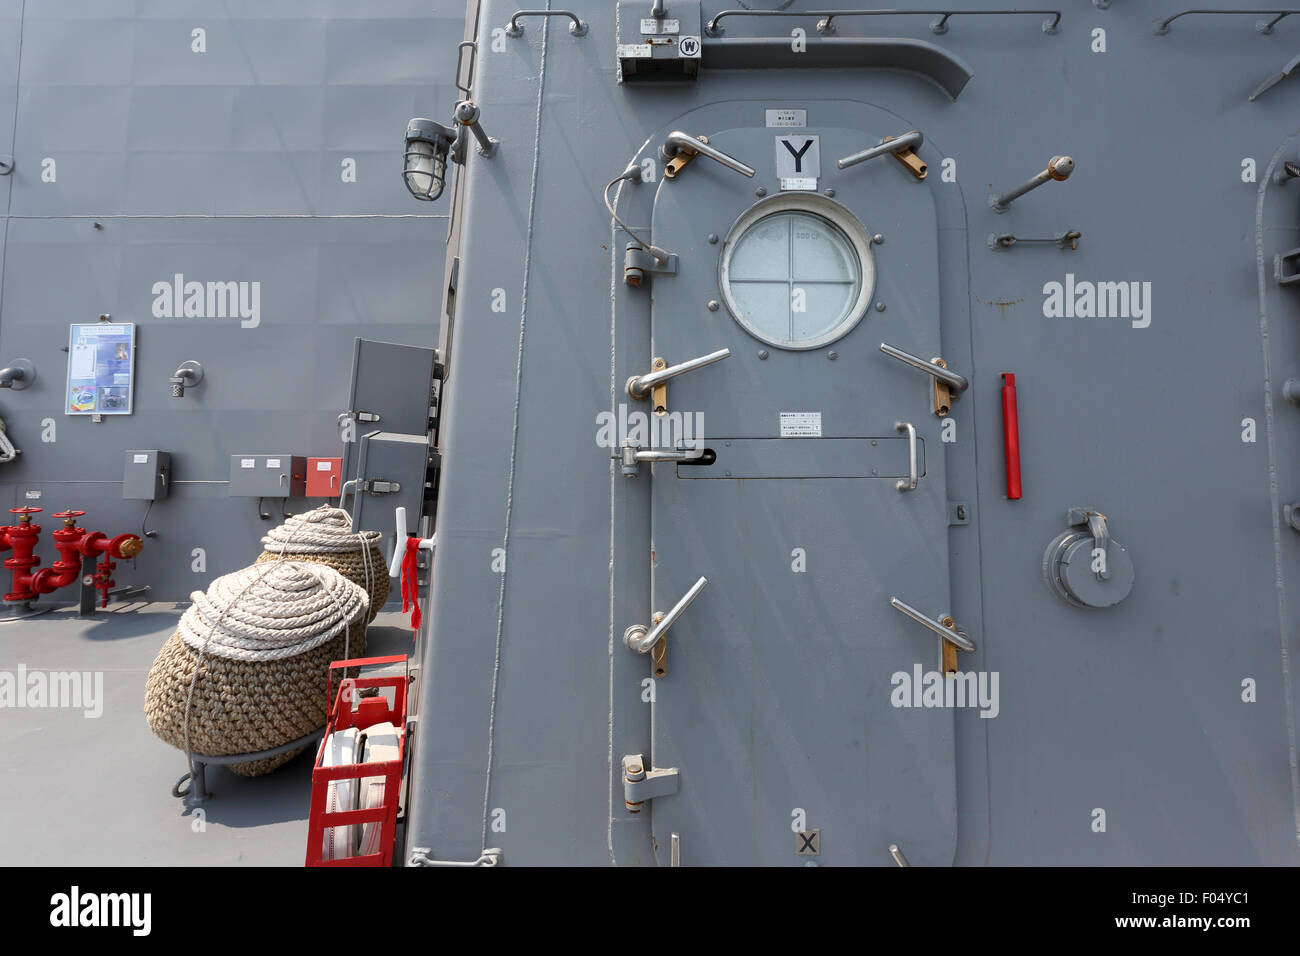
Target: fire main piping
x=73 y=543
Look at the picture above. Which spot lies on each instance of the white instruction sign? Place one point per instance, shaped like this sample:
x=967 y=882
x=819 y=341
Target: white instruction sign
x=273 y=463
x=786 y=118
x=247 y=463
x=323 y=465
x=140 y=459
x=801 y=424
x=651 y=25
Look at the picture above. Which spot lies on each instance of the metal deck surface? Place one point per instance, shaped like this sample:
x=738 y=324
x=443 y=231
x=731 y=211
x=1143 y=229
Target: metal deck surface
x=96 y=791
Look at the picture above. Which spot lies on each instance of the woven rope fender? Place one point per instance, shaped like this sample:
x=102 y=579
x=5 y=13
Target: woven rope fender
x=324 y=535
x=250 y=660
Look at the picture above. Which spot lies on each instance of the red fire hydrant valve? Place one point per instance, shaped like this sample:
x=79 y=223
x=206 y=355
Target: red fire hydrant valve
x=73 y=543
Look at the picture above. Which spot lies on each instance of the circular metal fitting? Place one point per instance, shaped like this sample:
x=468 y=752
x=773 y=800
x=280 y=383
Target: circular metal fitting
x=1067 y=569
x=1060 y=167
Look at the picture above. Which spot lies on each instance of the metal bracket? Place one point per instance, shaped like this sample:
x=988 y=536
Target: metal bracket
x=911 y=162
x=659 y=391
x=1291 y=514
x=380 y=486
x=958 y=513
x=1285 y=269
x=676 y=163
x=1066 y=240
x=640 y=786
x=659 y=653
x=639 y=263
x=420 y=857
x=1096 y=522
x=942 y=391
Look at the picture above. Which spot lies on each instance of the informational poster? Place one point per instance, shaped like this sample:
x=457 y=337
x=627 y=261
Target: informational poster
x=101 y=369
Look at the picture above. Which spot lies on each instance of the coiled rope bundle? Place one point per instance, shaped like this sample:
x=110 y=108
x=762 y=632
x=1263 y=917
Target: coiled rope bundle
x=324 y=535
x=247 y=667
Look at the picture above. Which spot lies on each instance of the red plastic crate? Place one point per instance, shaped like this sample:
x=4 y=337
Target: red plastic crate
x=370 y=711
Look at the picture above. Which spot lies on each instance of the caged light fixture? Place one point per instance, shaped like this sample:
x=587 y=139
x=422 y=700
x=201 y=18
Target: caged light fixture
x=430 y=145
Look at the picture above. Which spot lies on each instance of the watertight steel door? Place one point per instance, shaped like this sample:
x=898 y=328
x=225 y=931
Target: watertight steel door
x=777 y=704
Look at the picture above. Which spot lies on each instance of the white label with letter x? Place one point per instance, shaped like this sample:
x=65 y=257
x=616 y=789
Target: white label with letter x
x=798 y=161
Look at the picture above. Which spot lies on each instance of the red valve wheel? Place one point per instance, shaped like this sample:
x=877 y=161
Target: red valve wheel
x=24 y=515
x=67 y=514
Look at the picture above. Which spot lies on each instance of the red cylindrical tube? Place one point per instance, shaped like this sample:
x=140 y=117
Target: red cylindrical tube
x=1011 y=435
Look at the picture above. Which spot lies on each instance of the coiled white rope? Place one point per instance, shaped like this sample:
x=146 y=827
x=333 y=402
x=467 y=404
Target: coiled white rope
x=324 y=530
x=203 y=649
x=261 y=614
x=7 y=450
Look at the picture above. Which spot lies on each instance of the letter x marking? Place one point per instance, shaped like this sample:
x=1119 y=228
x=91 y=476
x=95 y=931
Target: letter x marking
x=808 y=843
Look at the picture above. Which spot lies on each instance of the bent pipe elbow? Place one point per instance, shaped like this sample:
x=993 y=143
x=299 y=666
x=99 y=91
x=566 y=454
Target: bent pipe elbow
x=920 y=57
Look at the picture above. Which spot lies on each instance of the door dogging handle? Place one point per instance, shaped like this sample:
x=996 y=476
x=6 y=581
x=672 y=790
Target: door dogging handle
x=945 y=375
x=641 y=639
x=952 y=634
x=909 y=483
x=687 y=147
x=640 y=386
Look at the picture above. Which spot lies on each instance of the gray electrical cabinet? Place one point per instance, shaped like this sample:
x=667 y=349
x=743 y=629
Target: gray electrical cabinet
x=268 y=476
x=147 y=475
x=392 y=388
x=392 y=469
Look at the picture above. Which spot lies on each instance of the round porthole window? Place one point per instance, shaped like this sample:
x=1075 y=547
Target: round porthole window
x=796 y=271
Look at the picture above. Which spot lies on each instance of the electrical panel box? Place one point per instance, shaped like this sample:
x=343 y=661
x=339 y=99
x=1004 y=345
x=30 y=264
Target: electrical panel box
x=324 y=476
x=268 y=476
x=147 y=476
x=659 y=48
x=392 y=388
x=393 y=469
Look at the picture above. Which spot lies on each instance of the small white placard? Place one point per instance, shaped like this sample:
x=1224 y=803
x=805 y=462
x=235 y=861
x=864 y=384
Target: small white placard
x=323 y=465
x=787 y=118
x=651 y=25
x=140 y=459
x=634 y=51
x=33 y=496
x=273 y=463
x=798 y=183
x=688 y=48
x=247 y=463
x=801 y=424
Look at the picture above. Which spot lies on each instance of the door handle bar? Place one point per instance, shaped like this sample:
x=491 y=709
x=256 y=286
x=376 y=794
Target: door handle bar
x=640 y=386
x=951 y=634
x=679 y=142
x=909 y=483
x=640 y=638
x=912 y=140
x=943 y=374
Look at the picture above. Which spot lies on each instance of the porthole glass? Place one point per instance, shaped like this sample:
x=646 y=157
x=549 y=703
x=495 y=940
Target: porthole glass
x=797 y=275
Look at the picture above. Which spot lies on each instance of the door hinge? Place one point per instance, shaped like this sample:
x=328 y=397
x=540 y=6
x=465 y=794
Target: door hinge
x=638 y=263
x=640 y=785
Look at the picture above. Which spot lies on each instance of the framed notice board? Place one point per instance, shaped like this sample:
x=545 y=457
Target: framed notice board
x=101 y=369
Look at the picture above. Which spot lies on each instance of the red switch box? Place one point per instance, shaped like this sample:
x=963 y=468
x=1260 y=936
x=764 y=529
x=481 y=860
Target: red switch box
x=324 y=475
